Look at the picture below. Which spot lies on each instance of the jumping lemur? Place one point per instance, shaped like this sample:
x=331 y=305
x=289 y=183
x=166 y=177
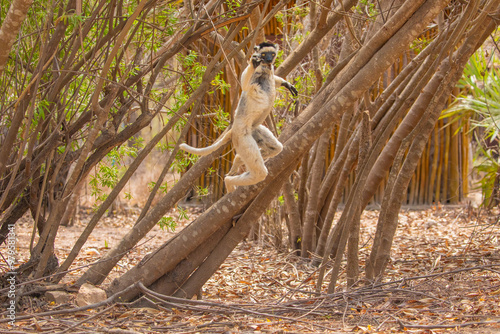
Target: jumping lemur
x=252 y=141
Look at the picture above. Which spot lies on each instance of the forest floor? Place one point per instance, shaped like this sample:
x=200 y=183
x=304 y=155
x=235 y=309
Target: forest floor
x=443 y=276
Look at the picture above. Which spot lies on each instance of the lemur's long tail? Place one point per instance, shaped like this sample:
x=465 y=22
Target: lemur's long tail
x=225 y=138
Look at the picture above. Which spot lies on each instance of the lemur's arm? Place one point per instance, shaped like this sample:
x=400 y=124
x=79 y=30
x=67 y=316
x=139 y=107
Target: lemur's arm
x=282 y=82
x=246 y=76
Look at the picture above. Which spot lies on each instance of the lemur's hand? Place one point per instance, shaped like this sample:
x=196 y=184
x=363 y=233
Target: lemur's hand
x=291 y=88
x=256 y=60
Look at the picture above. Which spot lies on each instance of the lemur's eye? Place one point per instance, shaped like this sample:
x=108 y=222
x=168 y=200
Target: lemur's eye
x=263 y=54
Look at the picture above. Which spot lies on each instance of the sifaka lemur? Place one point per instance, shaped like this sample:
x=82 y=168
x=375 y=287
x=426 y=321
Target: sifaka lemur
x=253 y=142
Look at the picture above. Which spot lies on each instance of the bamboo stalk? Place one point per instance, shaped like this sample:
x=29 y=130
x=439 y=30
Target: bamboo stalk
x=446 y=159
x=417 y=182
x=411 y=194
x=426 y=155
x=454 y=184
x=434 y=166
x=465 y=158
x=426 y=169
x=441 y=134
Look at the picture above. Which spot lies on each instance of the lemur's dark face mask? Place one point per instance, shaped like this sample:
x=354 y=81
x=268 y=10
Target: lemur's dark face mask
x=267 y=57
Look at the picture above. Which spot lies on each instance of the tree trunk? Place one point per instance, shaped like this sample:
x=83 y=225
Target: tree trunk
x=353 y=242
x=175 y=280
x=309 y=229
x=293 y=214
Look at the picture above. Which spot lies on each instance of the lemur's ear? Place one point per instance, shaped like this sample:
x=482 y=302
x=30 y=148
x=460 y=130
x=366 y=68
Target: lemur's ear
x=256 y=48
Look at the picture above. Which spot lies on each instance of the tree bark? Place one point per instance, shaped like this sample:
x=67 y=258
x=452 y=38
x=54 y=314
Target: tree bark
x=10 y=29
x=175 y=280
x=352 y=269
x=311 y=213
x=293 y=214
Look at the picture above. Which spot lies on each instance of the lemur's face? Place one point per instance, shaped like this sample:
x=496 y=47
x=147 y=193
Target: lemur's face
x=267 y=52
x=268 y=56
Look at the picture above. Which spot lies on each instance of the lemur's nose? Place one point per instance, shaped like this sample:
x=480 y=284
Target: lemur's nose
x=268 y=58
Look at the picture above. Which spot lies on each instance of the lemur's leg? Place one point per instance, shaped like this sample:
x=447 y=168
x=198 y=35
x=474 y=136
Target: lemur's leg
x=237 y=164
x=268 y=144
x=249 y=153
